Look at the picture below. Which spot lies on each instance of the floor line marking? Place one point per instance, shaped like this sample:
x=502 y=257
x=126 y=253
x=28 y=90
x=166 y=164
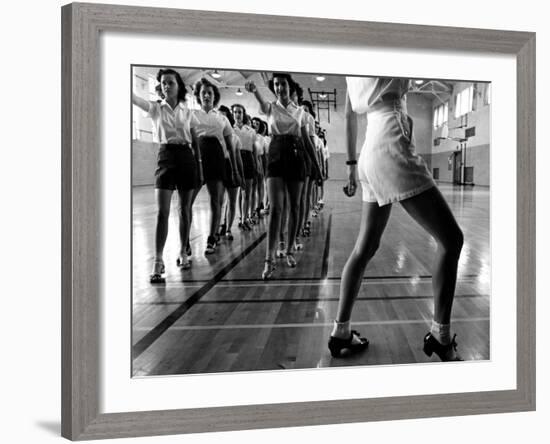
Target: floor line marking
x=312 y=324
x=278 y=283
x=324 y=267
x=330 y=278
x=172 y=318
x=327 y=299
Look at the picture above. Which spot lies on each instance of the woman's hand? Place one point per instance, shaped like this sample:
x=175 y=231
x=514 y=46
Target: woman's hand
x=351 y=187
x=250 y=86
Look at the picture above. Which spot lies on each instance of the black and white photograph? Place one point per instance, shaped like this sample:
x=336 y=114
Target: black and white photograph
x=285 y=221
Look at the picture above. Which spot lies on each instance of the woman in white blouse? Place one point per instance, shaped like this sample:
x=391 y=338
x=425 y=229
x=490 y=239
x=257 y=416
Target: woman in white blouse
x=260 y=143
x=177 y=163
x=390 y=171
x=247 y=136
x=212 y=133
x=285 y=166
x=231 y=187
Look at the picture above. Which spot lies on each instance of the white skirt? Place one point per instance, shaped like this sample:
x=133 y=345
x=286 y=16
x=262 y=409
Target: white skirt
x=389 y=168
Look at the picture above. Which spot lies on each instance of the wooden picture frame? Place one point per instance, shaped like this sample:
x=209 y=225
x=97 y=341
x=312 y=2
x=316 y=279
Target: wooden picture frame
x=81 y=25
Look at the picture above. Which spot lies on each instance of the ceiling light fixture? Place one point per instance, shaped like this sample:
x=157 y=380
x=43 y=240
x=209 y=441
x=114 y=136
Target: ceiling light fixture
x=419 y=82
x=216 y=74
x=320 y=78
x=239 y=92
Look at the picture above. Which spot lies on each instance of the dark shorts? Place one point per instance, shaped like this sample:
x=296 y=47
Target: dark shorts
x=248 y=164
x=228 y=182
x=286 y=158
x=213 y=159
x=176 y=168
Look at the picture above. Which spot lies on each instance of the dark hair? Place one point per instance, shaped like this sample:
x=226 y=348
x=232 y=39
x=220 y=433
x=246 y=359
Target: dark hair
x=238 y=105
x=299 y=93
x=282 y=75
x=257 y=119
x=309 y=107
x=201 y=84
x=263 y=127
x=182 y=91
x=227 y=112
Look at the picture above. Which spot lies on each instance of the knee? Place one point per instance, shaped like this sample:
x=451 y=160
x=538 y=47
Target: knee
x=364 y=253
x=453 y=244
x=163 y=214
x=275 y=212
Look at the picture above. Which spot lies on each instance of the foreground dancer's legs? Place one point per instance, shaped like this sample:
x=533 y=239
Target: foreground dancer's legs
x=373 y=223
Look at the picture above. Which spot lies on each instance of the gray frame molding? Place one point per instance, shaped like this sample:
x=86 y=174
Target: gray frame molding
x=81 y=167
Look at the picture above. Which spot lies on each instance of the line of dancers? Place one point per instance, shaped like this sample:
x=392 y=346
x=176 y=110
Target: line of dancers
x=203 y=147
x=273 y=167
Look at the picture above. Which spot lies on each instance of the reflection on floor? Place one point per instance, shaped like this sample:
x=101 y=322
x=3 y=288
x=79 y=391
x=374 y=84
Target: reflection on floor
x=219 y=316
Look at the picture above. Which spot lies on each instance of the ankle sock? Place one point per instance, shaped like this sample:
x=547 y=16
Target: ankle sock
x=441 y=332
x=341 y=329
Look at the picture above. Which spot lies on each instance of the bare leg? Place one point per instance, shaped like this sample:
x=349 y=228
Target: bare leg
x=284 y=216
x=223 y=209
x=247 y=200
x=231 y=207
x=260 y=192
x=186 y=201
x=252 y=205
x=216 y=191
x=373 y=223
x=304 y=204
x=294 y=189
x=431 y=211
x=276 y=192
x=163 y=199
x=309 y=191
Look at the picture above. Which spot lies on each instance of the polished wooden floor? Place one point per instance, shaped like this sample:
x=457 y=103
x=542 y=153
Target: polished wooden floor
x=219 y=316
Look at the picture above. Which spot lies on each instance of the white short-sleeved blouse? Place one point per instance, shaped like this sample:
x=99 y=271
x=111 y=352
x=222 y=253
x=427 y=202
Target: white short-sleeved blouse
x=310 y=124
x=364 y=92
x=285 y=120
x=170 y=125
x=247 y=137
x=211 y=124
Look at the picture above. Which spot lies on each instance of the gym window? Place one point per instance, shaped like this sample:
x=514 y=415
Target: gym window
x=441 y=114
x=464 y=101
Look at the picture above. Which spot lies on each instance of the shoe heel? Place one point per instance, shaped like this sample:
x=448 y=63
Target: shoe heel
x=428 y=350
x=334 y=348
x=269 y=268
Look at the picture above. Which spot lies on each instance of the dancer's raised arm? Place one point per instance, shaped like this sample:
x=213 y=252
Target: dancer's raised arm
x=251 y=87
x=141 y=103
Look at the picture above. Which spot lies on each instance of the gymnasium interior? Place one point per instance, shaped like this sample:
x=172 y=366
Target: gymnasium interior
x=220 y=316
